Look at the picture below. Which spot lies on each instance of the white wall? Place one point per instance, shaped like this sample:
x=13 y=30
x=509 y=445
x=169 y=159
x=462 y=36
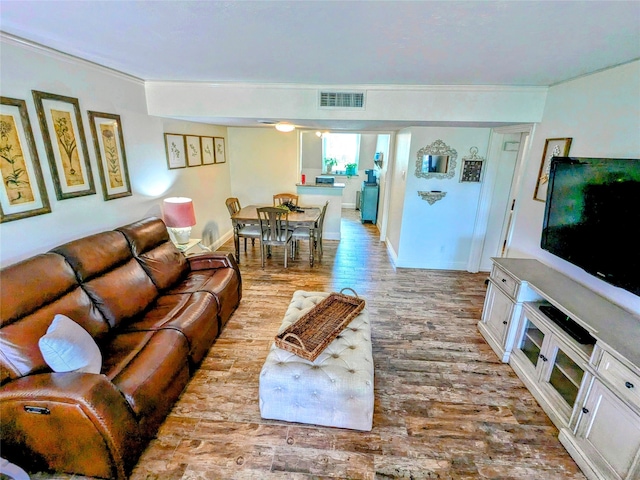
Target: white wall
x=26 y=68
x=601 y=112
x=397 y=185
x=298 y=103
x=263 y=162
x=439 y=235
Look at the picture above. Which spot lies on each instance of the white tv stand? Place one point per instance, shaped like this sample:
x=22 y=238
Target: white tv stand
x=591 y=392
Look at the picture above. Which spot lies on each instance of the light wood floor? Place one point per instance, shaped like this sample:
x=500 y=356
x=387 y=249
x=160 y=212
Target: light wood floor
x=444 y=406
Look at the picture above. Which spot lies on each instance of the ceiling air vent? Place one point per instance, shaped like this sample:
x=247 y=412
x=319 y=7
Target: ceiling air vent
x=342 y=99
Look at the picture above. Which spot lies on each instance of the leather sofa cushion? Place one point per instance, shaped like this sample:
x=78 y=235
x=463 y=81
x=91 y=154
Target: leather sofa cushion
x=114 y=280
x=150 y=369
x=193 y=314
x=32 y=283
x=222 y=283
x=157 y=255
x=96 y=254
x=122 y=293
x=33 y=292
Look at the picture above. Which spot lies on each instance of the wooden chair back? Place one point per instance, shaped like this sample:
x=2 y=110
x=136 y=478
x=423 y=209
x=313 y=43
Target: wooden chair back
x=280 y=198
x=274 y=223
x=233 y=205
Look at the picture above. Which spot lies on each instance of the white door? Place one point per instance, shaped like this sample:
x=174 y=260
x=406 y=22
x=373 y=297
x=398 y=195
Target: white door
x=501 y=181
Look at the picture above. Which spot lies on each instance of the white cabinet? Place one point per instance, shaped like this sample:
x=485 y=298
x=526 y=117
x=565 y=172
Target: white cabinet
x=502 y=306
x=498 y=311
x=552 y=366
x=608 y=436
x=590 y=392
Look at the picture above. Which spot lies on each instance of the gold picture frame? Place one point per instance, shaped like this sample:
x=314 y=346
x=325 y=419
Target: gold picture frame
x=108 y=140
x=221 y=154
x=553 y=147
x=65 y=144
x=23 y=193
x=208 y=155
x=176 y=149
x=194 y=151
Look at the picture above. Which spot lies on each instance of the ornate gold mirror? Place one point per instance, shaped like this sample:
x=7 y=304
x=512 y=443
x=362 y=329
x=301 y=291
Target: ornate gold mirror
x=437 y=160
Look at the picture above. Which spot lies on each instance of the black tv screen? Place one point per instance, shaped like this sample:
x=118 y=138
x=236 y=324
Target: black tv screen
x=592 y=217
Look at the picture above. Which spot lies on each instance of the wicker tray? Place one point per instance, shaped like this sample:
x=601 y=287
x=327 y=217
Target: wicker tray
x=317 y=328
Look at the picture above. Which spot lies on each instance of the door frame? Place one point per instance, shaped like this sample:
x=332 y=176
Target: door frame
x=488 y=186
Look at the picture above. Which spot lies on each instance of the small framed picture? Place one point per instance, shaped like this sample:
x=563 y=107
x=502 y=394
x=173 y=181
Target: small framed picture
x=220 y=153
x=23 y=193
x=175 y=146
x=208 y=157
x=194 y=151
x=108 y=141
x=471 y=170
x=553 y=147
x=65 y=144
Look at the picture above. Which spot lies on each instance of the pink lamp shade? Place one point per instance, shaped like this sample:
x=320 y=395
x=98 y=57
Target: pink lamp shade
x=178 y=212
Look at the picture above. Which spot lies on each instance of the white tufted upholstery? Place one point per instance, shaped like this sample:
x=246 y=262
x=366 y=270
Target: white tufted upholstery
x=335 y=390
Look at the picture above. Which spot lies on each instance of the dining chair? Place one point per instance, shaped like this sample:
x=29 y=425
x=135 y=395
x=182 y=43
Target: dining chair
x=240 y=229
x=274 y=225
x=280 y=198
x=301 y=233
x=319 y=229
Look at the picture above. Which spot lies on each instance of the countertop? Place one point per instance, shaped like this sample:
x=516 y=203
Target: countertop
x=322 y=185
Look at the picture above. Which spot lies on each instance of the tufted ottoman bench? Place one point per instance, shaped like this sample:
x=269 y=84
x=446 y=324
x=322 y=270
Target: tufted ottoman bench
x=334 y=390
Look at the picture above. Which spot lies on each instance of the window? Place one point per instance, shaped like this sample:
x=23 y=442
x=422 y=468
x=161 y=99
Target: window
x=340 y=150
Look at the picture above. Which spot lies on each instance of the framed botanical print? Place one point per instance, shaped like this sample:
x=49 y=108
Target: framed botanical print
x=65 y=144
x=553 y=147
x=176 y=150
x=208 y=157
x=194 y=151
x=23 y=193
x=220 y=153
x=108 y=141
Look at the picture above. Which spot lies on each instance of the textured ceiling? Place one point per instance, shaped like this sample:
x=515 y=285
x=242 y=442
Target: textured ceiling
x=338 y=42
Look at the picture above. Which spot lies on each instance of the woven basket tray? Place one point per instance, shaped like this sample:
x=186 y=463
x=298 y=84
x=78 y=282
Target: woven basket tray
x=317 y=328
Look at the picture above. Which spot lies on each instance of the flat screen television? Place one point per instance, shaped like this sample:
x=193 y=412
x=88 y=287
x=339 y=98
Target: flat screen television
x=592 y=217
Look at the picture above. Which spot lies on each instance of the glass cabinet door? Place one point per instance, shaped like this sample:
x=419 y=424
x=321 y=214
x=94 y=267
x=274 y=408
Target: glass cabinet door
x=566 y=377
x=531 y=343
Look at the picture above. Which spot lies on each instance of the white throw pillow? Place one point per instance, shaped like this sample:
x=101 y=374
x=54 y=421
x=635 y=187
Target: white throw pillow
x=67 y=347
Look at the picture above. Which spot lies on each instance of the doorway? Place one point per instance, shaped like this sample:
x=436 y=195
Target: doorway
x=498 y=196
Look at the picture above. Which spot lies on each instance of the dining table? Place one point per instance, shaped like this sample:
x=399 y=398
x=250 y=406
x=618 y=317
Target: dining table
x=306 y=216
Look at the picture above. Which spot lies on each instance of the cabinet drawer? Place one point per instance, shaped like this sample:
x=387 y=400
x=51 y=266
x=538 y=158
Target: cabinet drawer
x=626 y=382
x=506 y=281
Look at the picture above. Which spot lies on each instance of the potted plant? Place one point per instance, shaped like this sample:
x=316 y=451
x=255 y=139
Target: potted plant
x=329 y=163
x=351 y=169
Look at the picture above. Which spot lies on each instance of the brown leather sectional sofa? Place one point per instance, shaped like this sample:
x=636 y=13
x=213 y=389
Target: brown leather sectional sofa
x=153 y=313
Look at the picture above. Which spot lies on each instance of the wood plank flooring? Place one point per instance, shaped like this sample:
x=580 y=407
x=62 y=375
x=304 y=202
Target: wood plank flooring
x=445 y=407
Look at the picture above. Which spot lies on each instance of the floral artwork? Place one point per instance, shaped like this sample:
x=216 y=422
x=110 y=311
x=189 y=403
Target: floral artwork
x=112 y=160
x=111 y=152
x=23 y=193
x=68 y=147
x=220 y=153
x=14 y=172
x=176 y=151
x=194 y=151
x=553 y=147
x=208 y=156
x=64 y=141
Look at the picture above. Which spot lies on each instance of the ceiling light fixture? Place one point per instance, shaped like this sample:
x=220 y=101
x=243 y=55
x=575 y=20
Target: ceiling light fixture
x=284 y=127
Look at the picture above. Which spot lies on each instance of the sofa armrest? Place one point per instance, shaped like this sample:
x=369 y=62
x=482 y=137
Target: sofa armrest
x=207 y=260
x=204 y=261
x=69 y=422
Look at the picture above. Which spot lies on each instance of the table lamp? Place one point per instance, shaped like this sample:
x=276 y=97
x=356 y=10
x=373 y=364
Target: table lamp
x=179 y=216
